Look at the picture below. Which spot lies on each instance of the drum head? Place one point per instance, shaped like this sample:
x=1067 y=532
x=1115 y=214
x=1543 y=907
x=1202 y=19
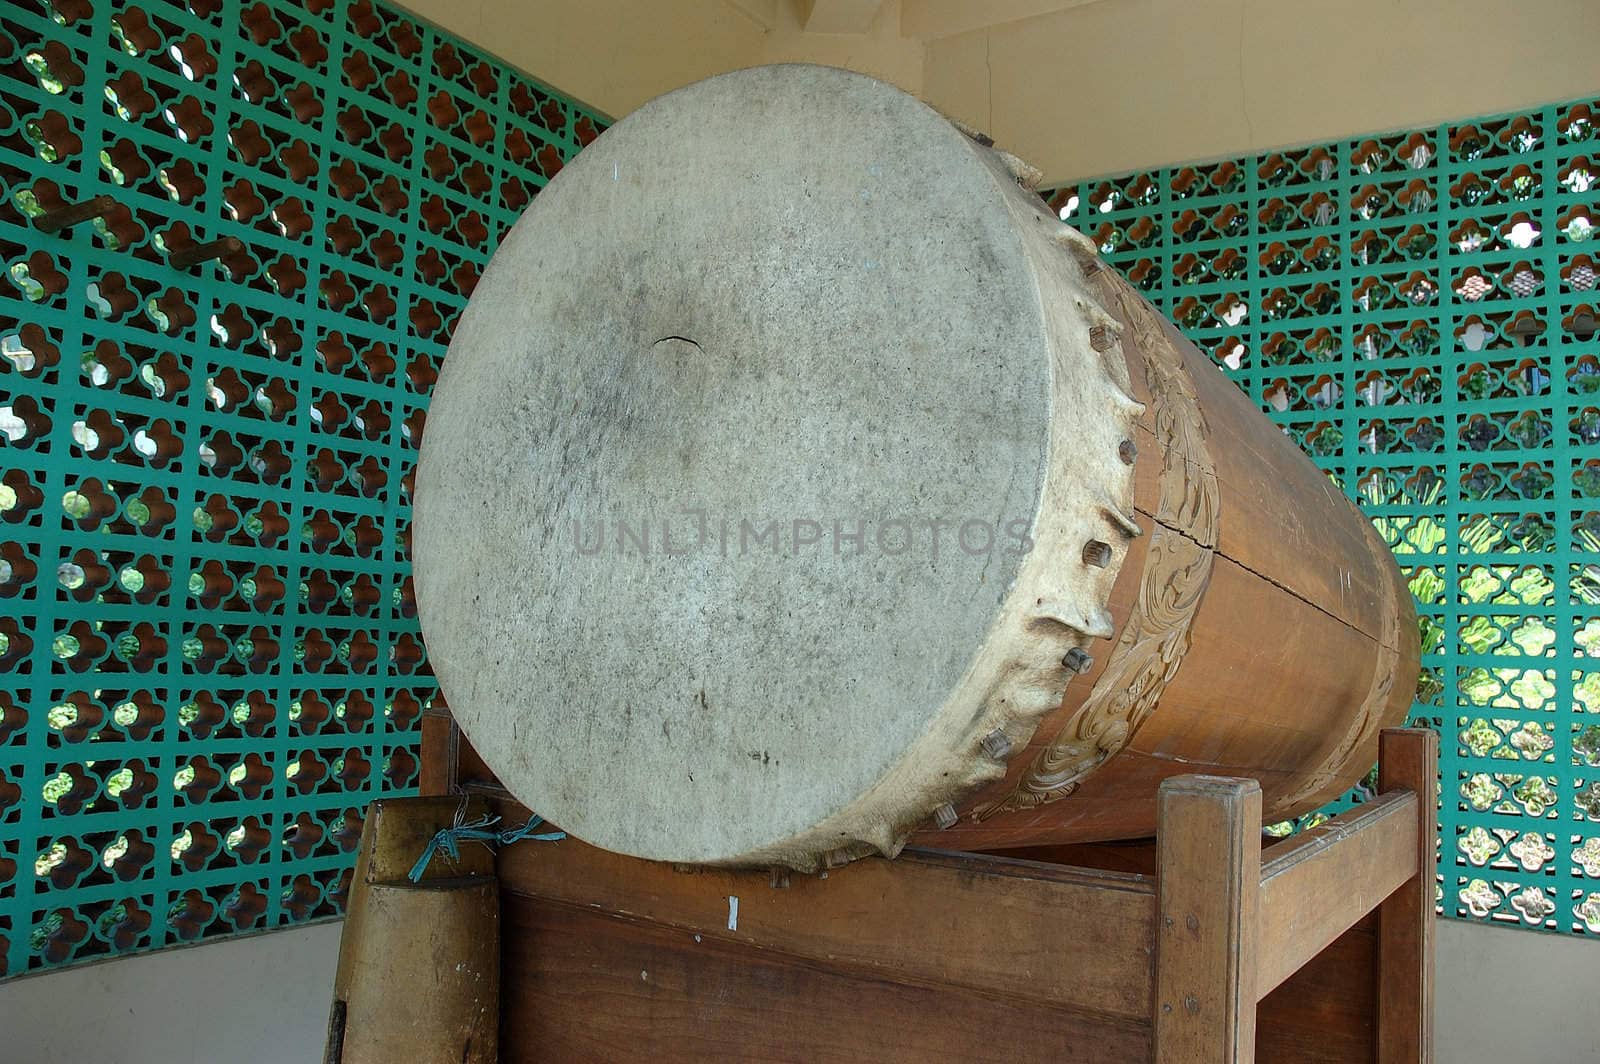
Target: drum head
x=732 y=465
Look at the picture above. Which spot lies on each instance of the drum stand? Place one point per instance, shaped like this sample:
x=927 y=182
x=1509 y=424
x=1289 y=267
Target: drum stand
x=1198 y=947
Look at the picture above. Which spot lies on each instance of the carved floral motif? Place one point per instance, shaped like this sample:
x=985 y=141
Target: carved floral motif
x=1177 y=571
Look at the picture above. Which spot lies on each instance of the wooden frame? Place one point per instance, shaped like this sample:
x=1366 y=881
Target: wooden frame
x=1200 y=947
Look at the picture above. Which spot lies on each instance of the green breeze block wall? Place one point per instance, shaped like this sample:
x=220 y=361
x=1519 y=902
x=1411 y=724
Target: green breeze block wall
x=209 y=656
x=1417 y=310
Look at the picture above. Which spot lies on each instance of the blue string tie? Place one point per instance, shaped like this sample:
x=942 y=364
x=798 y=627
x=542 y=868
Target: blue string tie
x=481 y=831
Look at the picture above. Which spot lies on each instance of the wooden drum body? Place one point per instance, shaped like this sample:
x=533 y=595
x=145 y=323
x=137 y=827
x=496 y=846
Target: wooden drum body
x=1263 y=629
x=797 y=484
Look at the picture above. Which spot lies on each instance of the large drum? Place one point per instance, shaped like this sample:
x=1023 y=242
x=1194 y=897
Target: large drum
x=797 y=485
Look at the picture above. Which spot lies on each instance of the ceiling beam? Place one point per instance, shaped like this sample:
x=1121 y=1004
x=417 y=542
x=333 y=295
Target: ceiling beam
x=838 y=16
x=945 y=18
x=763 y=13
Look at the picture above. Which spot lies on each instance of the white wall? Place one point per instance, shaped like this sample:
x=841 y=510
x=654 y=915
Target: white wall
x=1100 y=88
x=1084 y=87
x=1503 y=997
x=261 y=999
x=1506 y=996
x=611 y=54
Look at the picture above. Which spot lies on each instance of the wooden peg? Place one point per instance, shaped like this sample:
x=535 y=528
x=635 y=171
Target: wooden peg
x=997 y=744
x=195 y=254
x=1077 y=660
x=70 y=214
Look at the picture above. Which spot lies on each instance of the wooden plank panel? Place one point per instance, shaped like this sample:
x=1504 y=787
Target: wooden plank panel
x=579 y=986
x=1326 y=1013
x=1032 y=932
x=1209 y=849
x=1408 y=758
x=1309 y=896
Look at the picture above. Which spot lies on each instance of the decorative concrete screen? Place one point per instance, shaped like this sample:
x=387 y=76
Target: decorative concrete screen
x=1418 y=310
x=209 y=655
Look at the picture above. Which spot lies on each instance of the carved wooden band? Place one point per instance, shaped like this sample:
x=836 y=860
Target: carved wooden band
x=1177 y=571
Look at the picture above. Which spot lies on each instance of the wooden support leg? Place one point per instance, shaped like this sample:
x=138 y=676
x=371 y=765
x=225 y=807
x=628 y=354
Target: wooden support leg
x=1208 y=885
x=1408 y=758
x=419 y=963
